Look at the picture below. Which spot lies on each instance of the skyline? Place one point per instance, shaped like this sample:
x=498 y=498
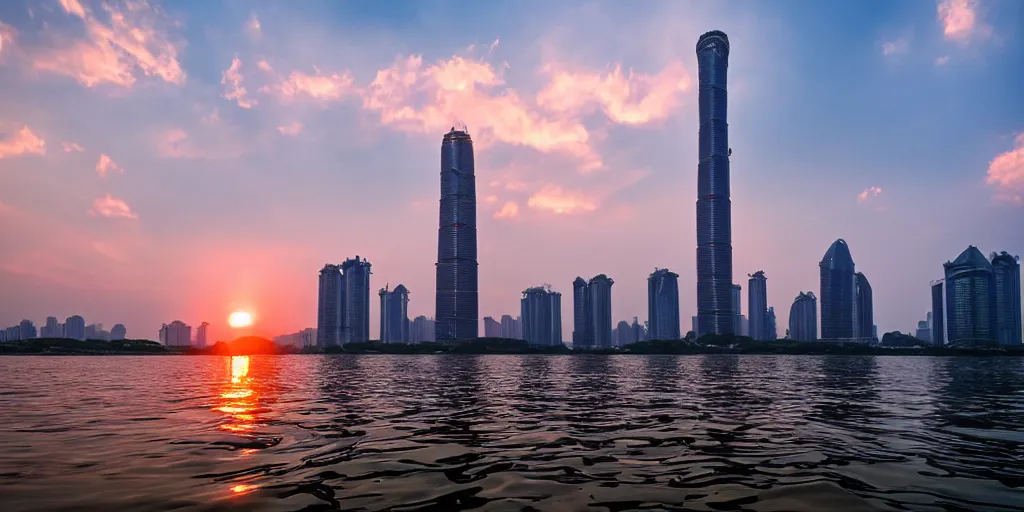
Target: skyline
x=231 y=202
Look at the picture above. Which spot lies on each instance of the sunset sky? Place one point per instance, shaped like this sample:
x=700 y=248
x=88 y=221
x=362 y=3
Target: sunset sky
x=188 y=159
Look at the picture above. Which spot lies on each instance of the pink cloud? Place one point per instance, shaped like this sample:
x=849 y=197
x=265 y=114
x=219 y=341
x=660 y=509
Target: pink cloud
x=112 y=207
x=491 y=199
x=7 y=35
x=320 y=87
x=429 y=99
x=555 y=199
x=253 y=26
x=232 y=79
x=941 y=61
x=113 y=51
x=960 y=21
x=105 y=165
x=868 y=193
x=72 y=146
x=22 y=143
x=264 y=66
x=632 y=99
x=508 y=210
x=1006 y=173
x=290 y=129
x=213 y=142
x=898 y=46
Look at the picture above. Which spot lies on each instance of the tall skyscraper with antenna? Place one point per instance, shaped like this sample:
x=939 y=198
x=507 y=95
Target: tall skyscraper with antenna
x=714 y=216
x=457 y=304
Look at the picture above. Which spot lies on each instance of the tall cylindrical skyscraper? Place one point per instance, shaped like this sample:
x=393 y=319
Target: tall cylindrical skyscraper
x=457 y=303
x=714 y=217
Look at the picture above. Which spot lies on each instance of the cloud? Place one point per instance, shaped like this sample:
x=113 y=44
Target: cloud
x=555 y=199
x=111 y=207
x=941 y=61
x=632 y=99
x=868 y=193
x=113 y=51
x=21 y=143
x=7 y=36
x=491 y=199
x=960 y=20
x=105 y=165
x=253 y=26
x=508 y=210
x=72 y=146
x=319 y=86
x=898 y=46
x=264 y=66
x=1006 y=173
x=211 y=143
x=290 y=129
x=232 y=79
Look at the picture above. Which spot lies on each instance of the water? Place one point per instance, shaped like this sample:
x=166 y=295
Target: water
x=511 y=433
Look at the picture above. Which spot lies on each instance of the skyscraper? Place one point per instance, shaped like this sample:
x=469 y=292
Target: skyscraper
x=582 y=315
x=938 y=313
x=394 y=314
x=714 y=216
x=773 y=332
x=200 y=333
x=541 y=310
x=118 y=332
x=865 y=324
x=492 y=327
x=640 y=332
x=623 y=334
x=422 y=329
x=757 y=305
x=600 y=288
x=329 y=306
x=27 y=329
x=970 y=297
x=663 y=304
x=355 y=312
x=1008 y=320
x=737 y=310
x=457 y=306
x=511 y=328
x=176 y=334
x=838 y=293
x=803 y=318
x=74 y=327
x=51 y=329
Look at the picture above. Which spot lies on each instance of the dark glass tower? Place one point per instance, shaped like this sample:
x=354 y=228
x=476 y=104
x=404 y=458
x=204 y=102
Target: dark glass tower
x=714 y=217
x=1008 y=319
x=663 y=305
x=457 y=308
x=970 y=297
x=865 y=322
x=757 y=305
x=838 y=292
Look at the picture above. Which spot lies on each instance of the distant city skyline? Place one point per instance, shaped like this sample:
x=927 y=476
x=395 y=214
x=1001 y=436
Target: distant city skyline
x=229 y=177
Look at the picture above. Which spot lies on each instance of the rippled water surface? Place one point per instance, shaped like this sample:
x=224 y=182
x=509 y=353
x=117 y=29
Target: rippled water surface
x=511 y=433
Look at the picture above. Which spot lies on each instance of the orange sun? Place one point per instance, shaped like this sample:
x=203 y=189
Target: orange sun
x=240 y=319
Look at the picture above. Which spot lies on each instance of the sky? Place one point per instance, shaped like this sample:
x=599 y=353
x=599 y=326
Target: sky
x=188 y=159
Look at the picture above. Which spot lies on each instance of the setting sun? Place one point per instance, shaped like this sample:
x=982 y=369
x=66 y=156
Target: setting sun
x=240 y=319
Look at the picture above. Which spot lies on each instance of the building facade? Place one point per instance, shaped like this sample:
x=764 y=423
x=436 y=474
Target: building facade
x=457 y=304
x=663 y=304
x=623 y=334
x=355 y=313
x=422 y=329
x=582 y=315
x=329 y=306
x=176 y=334
x=394 y=314
x=27 y=330
x=773 y=332
x=714 y=208
x=541 y=310
x=1008 y=316
x=492 y=327
x=803 y=317
x=837 y=294
x=970 y=297
x=938 y=323
x=511 y=328
x=757 y=305
x=200 y=334
x=600 y=288
x=119 y=332
x=74 y=327
x=865 y=323
x=51 y=329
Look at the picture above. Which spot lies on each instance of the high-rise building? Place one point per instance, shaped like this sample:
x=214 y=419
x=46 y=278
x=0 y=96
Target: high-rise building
x=13 y=333
x=119 y=332
x=773 y=333
x=803 y=318
x=865 y=323
x=176 y=334
x=51 y=329
x=600 y=289
x=663 y=304
x=924 y=331
x=394 y=314
x=511 y=328
x=457 y=312
x=1008 y=317
x=492 y=327
x=27 y=330
x=714 y=209
x=757 y=305
x=623 y=334
x=329 y=306
x=640 y=331
x=938 y=313
x=422 y=329
x=355 y=313
x=582 y=315
x=838 y=292
x=74 y=327
x=737 y=310
x=200 y=334
x=541 y=310
x=304 y=338
x=970 y=297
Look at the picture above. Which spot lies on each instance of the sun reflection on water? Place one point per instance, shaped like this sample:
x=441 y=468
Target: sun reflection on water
x=238 y=399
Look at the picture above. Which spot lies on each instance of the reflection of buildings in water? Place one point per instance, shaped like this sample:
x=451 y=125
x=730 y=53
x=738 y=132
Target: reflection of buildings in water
x=661 y=374
x=535 y=390
x=848 y=389
x=592 y=382
x=979 y=392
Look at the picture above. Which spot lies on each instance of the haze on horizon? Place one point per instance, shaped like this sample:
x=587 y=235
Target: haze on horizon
x=185 y=160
